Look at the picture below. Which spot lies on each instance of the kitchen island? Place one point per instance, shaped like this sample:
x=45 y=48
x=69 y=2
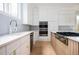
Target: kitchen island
x=15 y=44
x=65 y=45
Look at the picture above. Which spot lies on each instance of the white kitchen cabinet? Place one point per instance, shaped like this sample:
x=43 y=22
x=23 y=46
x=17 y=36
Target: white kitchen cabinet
x=47 y=13
x=24 y=48
x=12 y=46
x=24 y=13
x=15 y=44
x=35 y=15
x=20 y=46
x=21 y=50
x=30 y=14
x=66 y=17
x=13 y=9
x=27 y=13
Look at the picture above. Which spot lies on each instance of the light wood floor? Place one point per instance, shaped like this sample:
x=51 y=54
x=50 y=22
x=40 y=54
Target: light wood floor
x=43 y=48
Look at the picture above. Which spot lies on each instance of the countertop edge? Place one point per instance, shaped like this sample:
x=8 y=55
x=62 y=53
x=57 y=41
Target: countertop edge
x=7 y=42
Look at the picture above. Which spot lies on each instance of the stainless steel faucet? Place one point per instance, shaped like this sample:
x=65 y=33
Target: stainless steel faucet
x=13 y=26
x=13 y=21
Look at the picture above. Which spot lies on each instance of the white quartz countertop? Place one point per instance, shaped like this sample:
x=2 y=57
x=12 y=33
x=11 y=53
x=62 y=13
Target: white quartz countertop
x=73 y=38
x=11 y=37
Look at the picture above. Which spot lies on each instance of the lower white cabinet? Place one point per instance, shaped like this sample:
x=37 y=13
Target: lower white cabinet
x=20 y=46
x=11 y=47
x=21 y=50
x=24 y=48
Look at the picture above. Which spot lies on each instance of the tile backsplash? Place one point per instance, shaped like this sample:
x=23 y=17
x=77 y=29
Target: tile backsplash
x=4 y=24
x=64 y=28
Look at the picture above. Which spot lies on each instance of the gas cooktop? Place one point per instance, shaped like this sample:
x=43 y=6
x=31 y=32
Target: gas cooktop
x=68 y=33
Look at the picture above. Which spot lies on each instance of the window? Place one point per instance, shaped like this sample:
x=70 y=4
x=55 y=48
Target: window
x=12 y=9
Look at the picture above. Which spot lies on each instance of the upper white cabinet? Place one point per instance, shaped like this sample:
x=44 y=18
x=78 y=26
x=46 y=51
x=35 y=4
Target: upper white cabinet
x=19 y=11
x=24 y=13
x=27 y=13
x=32 y=14
x=35 y=15
x=66 y=17
x=48 y=13
x=13 y=9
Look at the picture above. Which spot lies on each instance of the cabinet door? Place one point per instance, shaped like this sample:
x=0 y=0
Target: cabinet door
x=30 y=14
x=11 y=47
x=35 y=15
x=24 y=48
x=2 y=50
x=72 y=47
x=27 y=44
x=24 y=12
x=67 y=16
x=19 y=47
x=21 y=50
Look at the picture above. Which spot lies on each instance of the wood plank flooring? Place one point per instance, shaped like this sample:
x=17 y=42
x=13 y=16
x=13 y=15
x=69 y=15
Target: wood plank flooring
x=43 y=48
